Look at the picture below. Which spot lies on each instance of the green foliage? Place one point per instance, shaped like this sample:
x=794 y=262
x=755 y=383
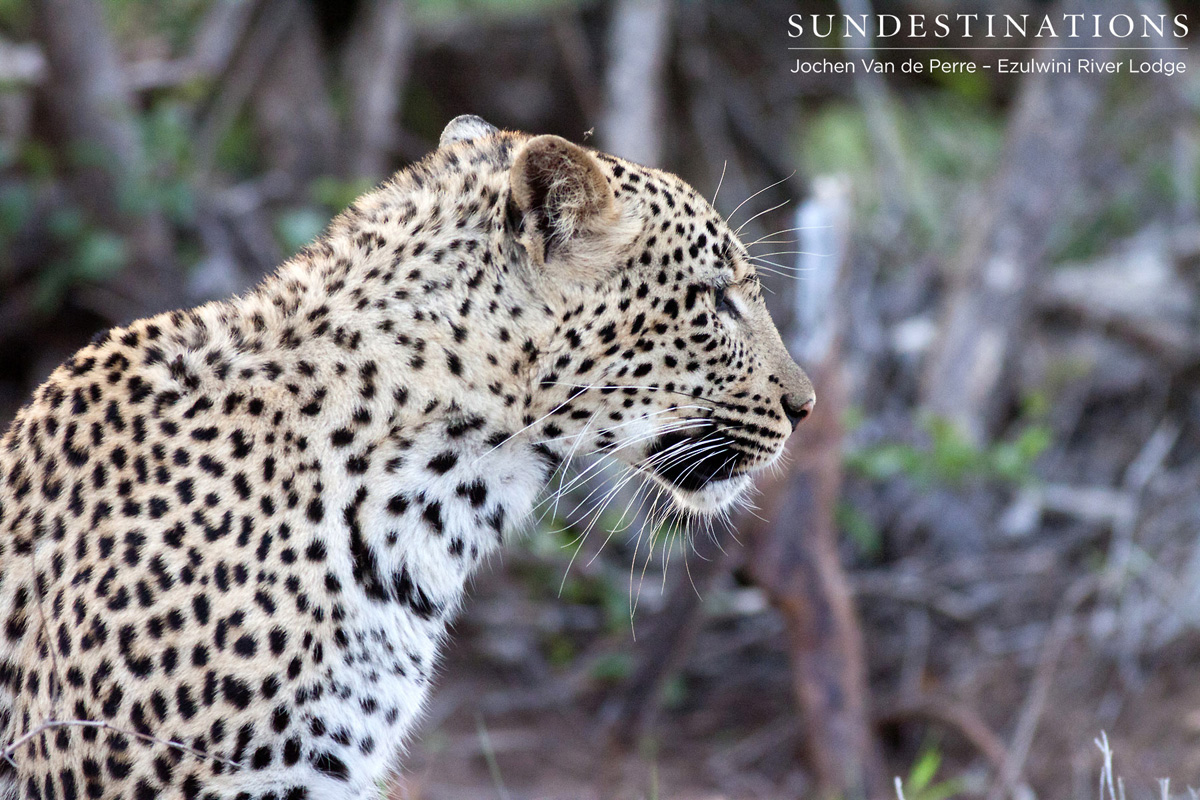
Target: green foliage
x=858 y=527
x=296 y=227
x=16 y=209
x=1123 y=214
x=953 y=138
x=86 y=250
x=337 y=194
x=949 y=142
x=37 y=160
x=89 y=253
x=560 y=651
x=920 y=786
x=836 y=140
x=8 y=153
x=674 y=693
x=974 y=87
x=612 y=667
x=136 y=21
x=950 y=458
x=555 y=578
x=166 y=185
x=16 y=18
x=440 y=10
x=948 y=137
x=236 y=153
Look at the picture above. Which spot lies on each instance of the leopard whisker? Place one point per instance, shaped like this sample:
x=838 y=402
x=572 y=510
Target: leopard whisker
x=720 y=181
x=589 y=387
x=793 y=253
x=788 y=230
x=742 y=227
x=731 y=214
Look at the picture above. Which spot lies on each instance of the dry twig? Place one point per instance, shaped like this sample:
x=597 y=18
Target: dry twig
x=8 y=752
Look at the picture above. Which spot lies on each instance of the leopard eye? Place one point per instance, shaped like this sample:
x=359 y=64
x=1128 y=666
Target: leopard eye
x=722 y=303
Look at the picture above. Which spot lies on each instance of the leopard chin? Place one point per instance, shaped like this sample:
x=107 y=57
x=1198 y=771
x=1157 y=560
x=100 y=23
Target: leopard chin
x=712 y=497
x=705 y=473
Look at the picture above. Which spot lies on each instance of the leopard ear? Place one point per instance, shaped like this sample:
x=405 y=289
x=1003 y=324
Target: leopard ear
x=563 y=196
x=465 y=128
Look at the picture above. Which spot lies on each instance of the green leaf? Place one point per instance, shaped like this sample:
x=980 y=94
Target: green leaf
x=858 y=526
x=924 y=770
x=612 y=667
x=66 y=224
x=337 y=194
x=674 y=692
x=299 y=226
x=99 y=256
x=16 y=207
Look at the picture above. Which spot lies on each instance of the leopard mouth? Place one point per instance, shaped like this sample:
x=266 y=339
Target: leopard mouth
x=704 y=473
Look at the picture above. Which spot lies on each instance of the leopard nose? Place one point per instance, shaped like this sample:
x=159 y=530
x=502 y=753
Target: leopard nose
x=798 y=409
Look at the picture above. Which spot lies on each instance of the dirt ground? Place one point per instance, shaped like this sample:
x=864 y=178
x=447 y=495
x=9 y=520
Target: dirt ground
x=513 y=730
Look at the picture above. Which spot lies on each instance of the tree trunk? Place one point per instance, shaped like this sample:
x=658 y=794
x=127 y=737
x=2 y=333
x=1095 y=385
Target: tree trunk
x=792 y=543
x=377 y=57
x=988 y=300
x=292 y=111
x=87 y=98
x=794 y=560
x=632 y=123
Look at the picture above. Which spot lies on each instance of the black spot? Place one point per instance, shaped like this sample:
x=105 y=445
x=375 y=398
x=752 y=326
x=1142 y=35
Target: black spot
x=433 y=515
x=261 y=758
x=414 y=597
x=443 y=462
x=331 y=765
x=245 y=646
x=237 y=692
x=316 y=551
x=476 y=492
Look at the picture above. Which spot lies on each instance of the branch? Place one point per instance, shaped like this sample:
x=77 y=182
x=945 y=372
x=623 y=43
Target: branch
x=1035 y=704
x=213 y=46
x=86 y=88
x=8 y=752
x=954 y=714
x=258 y=45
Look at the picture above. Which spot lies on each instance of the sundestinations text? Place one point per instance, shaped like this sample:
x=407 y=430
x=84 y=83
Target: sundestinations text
x=992 y=26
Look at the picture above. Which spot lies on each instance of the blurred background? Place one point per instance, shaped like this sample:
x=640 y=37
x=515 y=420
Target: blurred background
x=985 y=550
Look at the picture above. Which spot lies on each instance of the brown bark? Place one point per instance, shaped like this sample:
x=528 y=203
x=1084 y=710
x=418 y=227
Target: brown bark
x=794 y=560
x=377 y=58
x=632 y=122
x=988 y=300
x=87 y=94
x=292 y=111
x=792 y=551
x=87 y=97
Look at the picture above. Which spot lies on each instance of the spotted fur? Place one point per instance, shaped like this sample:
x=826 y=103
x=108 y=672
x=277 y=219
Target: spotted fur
x=231 y=537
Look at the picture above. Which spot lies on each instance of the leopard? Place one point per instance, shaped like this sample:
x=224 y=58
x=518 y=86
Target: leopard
x=232 y=538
